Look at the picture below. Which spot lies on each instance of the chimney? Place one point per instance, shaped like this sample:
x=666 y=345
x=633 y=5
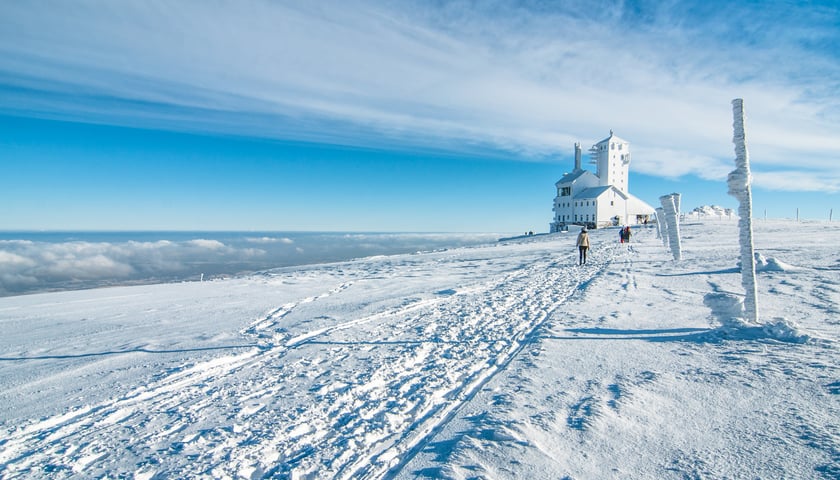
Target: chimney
x=577 y=156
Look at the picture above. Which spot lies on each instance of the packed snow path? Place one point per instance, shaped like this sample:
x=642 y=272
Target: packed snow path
x=353 y=391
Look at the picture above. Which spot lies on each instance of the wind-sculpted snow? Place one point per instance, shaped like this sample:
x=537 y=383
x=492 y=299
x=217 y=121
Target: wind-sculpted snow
x=286 y=405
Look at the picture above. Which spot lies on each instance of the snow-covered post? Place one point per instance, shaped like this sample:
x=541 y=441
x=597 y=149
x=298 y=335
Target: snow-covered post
x=739 y=187
x=669 y=206
x=660 y=225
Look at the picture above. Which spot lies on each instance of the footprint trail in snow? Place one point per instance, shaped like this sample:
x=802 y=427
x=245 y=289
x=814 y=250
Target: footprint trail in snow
x=346 y=394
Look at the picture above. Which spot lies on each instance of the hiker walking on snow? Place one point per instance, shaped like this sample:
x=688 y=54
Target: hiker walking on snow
x=583 y=245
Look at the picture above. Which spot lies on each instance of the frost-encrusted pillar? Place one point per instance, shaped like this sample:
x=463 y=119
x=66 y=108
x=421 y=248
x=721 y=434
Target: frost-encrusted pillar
x=739 y=187
x=661 y=226
x=672 y=221
x=663 y=221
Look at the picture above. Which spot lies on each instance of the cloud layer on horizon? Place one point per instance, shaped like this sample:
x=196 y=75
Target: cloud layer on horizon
x=33 y=265
x=528 y=78
x=27 y=265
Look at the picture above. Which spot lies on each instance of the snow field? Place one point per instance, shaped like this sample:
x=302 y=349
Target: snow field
x=288 y=405
x=501 y=361
x=633 y=379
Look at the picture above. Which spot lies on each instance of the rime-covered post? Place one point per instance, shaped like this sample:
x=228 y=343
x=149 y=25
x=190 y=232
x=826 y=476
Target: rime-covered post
x=669 y=206
x=663 y=222
x=739 y=187
x=660 y=226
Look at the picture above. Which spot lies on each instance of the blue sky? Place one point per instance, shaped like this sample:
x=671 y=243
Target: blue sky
x=402 y=115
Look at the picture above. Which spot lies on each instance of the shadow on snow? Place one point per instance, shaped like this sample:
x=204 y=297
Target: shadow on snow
x=121 y=352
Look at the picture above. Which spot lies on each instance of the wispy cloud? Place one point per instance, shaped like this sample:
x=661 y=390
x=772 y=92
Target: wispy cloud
x=797 y=181
x=208 y=244
x=270 y=240
x=527 y=78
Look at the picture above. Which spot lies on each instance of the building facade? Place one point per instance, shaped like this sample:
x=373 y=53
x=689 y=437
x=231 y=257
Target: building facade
x=603 y=198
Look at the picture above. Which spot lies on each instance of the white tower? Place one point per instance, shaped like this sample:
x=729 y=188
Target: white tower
x=612 y=156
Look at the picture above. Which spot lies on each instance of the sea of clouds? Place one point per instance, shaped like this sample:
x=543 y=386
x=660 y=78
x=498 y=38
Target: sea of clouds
x=33 y=262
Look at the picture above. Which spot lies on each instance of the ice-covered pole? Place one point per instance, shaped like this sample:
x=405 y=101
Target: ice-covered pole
x=662 y=225
x=672 y=220
x=739 y=187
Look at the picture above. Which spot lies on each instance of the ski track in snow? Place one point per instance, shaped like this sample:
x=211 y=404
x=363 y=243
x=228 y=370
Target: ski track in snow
x=286 y=407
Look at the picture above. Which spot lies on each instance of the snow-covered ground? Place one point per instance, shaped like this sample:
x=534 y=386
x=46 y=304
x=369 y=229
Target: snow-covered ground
x=499 y=361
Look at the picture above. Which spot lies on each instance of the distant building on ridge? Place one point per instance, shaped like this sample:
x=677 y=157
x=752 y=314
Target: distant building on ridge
x=601 y=199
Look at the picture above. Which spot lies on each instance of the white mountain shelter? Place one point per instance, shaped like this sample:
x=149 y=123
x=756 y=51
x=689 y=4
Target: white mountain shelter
x=601 y=199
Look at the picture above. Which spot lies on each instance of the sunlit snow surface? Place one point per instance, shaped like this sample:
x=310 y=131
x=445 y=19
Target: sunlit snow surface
x=500 y=361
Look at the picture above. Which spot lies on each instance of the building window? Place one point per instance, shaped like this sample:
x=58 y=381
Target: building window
x=565 y=191
x=612 y=203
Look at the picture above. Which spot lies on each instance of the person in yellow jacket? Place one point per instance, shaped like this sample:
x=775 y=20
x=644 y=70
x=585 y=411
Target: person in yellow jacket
x=583 y=245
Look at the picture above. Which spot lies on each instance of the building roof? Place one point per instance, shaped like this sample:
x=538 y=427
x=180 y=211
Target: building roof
x=571 y=177
x=595 y=192
x=638 y=206
x=612 y=137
